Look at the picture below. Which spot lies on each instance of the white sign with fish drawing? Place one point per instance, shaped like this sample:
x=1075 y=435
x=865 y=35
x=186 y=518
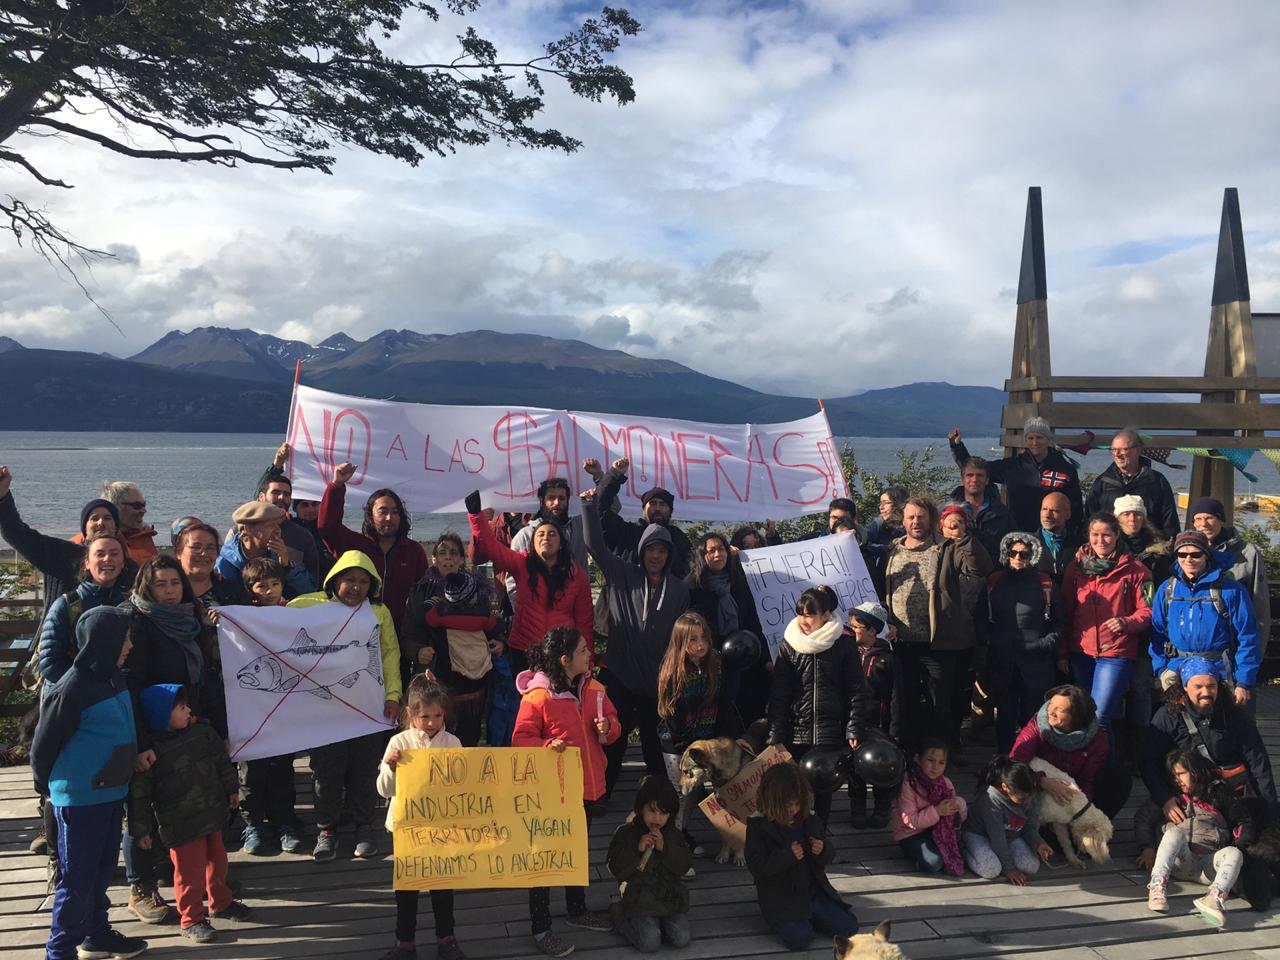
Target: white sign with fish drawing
x=299 y=677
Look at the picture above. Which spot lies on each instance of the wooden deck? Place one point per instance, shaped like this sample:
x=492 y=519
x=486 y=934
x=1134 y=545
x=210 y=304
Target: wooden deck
x=345 y=909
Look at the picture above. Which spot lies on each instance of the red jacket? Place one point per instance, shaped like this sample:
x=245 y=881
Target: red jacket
x=532 y=617
x=400 y=567
x=1081 y=765
x=545 y=716
x=1089 y=602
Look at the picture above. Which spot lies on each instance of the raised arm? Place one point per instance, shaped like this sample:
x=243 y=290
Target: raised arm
x=47 y=554
x=332 y=505
x=487 y=545
x=592 y=533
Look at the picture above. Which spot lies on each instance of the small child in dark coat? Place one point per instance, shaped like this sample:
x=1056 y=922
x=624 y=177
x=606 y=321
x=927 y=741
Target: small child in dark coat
x=787 y=852
x=649 y=855
x=183 y=798
x=884 y=681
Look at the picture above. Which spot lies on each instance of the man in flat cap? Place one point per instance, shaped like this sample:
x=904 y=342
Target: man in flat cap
x=657 y=504
x=257 y=534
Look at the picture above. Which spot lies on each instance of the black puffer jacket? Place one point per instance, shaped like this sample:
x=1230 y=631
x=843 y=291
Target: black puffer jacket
x=819 y=698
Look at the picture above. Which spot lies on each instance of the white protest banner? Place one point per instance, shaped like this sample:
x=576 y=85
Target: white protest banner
x=299 y=677
x=434 y=455
x=778 y=575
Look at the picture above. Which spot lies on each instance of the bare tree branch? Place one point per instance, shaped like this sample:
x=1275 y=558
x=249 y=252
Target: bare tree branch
x=22 y=161
x=226 y=156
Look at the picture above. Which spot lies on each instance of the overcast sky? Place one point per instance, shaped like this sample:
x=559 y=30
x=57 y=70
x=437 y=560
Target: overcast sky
x=809 y=198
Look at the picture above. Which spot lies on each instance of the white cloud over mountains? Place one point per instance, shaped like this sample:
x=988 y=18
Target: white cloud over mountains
x=809 y=198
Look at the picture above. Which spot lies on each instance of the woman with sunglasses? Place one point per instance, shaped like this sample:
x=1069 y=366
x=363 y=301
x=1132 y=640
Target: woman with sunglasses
x=1019 y=617
x=1106 y=596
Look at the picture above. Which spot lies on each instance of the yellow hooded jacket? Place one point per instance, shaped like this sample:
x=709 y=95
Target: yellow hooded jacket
x=387 y=640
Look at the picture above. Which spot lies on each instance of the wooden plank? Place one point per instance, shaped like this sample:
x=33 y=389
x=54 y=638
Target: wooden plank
x=1158 y=440
x=1149 y=416
x=10 y=629
x=1144 y=384
x=21 y=604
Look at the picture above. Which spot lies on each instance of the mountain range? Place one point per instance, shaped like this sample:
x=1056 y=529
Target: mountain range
x=219 y=379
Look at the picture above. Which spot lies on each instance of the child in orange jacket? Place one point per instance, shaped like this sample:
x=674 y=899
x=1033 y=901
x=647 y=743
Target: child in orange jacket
x=563 y=706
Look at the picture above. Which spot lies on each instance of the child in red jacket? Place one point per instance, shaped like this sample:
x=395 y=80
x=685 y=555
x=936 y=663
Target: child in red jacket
x=562 y=706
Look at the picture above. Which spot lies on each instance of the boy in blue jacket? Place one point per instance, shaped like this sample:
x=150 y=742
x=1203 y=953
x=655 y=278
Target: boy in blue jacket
x=82 y=757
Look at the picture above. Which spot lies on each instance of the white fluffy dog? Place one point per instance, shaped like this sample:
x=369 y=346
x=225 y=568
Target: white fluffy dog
x=1088 y=826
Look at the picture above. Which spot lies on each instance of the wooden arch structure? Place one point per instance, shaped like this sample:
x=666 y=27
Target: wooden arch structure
x=1230 y=413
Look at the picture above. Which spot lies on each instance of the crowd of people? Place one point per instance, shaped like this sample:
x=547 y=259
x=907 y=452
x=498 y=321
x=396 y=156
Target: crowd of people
x=1107 y=641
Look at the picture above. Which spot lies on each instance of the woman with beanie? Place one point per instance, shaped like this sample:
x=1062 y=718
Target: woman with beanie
x=1106 y=596
x=1019 y=619
x=1028 y=476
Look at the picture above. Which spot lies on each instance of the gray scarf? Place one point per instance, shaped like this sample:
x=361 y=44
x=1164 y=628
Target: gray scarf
x=178 y=622
x=726 y=607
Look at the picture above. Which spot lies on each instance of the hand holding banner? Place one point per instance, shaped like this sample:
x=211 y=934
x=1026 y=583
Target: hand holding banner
x=489 y=817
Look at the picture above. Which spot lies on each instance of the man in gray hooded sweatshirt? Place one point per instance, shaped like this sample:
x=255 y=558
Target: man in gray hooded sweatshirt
x=644 y=601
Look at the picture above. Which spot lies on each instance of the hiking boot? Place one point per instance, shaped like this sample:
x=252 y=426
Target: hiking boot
x=591 y=921
x=553 y=946
x=447 y=949
x=200 y=932
x=258 y=841
x=235 y=910
x=400 y=953
x=291 y=836
x=695 y=848
x=1212 y=908
x=112 y=945
x=326 y=848
x=366 y=845
x=146 y=903
x=1157 y=899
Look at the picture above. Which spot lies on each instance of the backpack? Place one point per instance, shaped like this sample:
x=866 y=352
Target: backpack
x=1219 y=605
x=32 y=677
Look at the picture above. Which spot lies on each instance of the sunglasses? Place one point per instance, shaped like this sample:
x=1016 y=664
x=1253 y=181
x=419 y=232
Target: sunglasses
x=136 y=504
x=1019 y=553
x=1194 y=555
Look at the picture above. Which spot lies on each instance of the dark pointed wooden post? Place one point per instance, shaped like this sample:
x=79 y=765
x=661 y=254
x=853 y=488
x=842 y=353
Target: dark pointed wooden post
x=1031 y=326
x=1230 y=352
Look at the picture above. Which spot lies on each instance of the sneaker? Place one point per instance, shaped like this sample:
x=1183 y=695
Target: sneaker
x=689 y=874
x=1157 y=899
x=146 y=903
x=553 y=946
x=591 y=921
x=400 y=953
x=366 y=845
x=1211 y=908
x=326 y=848
x=235 y=910
x=447 y=949
x=291 y=837
x=200 y=932
x=695 y=848
x=112 y=945
x=257 y=841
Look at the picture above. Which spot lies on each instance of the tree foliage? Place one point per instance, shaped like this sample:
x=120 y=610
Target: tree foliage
x=277 y=83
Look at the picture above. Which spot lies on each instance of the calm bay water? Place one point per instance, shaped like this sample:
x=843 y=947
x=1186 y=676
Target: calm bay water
x=209 y=474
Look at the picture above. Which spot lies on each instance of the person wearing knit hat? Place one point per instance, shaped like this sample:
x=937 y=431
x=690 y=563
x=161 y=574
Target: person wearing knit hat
x=1247 y=564
x=884 y=683
x=1132 y=474
x=1031 y=474
x=1019 y=621
x=657 y=505
x=1203 y=612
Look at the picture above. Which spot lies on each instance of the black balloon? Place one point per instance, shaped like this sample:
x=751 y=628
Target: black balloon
x=740 y=650
x=824 y=768
x=879 y=762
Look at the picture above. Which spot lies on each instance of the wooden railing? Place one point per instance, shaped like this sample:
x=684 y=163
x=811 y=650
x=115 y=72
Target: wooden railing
x=13 y=659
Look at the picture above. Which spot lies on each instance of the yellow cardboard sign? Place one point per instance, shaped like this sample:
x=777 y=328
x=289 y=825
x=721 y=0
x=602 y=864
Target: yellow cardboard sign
x=489 y=817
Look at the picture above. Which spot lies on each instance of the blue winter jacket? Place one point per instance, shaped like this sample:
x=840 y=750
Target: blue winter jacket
x=1192 y=624
x=83 y=752
x=57 y=641
x=231 y=561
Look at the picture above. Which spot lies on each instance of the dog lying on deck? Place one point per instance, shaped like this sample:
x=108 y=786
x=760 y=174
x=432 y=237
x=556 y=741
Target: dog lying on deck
x=1075 y=823
x=711 y=762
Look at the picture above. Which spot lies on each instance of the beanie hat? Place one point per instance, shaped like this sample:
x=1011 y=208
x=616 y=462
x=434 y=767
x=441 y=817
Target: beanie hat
x=1038 y=425
x=93 y=505
x=157 y=703
x=954 y=508
x=1191 y=538
x=658 y=493
x=1130 y=503
x=870 y=613
x=1199 y=667
x=1208 y=505
x=460 y=588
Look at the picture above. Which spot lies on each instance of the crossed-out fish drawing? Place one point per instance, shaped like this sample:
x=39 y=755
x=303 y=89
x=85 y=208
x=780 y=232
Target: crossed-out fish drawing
x=270 y=674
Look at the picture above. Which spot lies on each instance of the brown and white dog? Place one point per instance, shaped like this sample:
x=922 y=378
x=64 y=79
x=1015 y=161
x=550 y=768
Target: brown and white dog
x=869 y=946
x=712 y=764
x=1077 y=820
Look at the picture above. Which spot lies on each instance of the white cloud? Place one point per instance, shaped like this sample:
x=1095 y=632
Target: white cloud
x=813 y=198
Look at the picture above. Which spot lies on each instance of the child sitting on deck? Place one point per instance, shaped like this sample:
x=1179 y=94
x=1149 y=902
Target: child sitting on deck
x=998 y=838
x=924 y=815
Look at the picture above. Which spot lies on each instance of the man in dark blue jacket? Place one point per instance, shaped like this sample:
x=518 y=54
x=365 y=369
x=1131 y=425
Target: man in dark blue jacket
x=82 y=758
